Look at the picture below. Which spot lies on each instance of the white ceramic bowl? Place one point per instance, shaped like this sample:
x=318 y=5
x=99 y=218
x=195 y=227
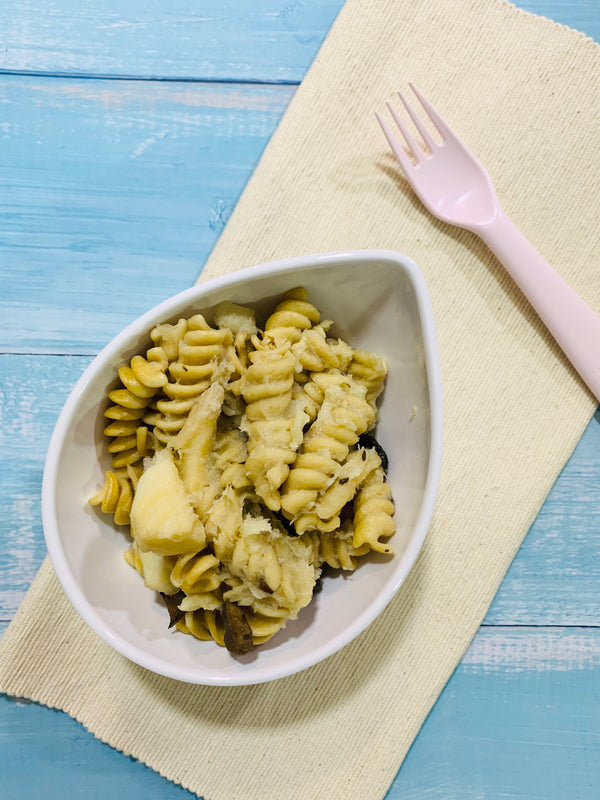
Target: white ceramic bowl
x=379 y=301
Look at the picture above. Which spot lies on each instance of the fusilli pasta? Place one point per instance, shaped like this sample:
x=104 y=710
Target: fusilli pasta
x=244 y=462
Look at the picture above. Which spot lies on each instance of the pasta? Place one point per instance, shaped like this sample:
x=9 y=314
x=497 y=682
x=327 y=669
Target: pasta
x=243 y=460
x=269 y=417
x=373 y=513
x=130 y=438
x=115 y=497
x=370 y=370
x=197 y=360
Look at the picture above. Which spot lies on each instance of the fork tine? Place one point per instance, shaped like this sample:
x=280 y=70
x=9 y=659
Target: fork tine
x=439 y=122
x=410 y=141
x=427 y=137
x=404 y=160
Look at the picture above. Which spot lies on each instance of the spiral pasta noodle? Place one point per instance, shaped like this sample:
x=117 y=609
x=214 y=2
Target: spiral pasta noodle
x=130 y=439
x=373 y=513
x=243 y=460
x=115 y=497
x=316 y=352
x=199 y=357
x=292 y=315
x=204 y=624
x=370 y=370
x=339 y=552
x=269 y=418
x=196 y=573
x=342 y=418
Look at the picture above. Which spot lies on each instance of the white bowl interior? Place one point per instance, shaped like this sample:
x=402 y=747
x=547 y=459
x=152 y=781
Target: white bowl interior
x=378 y=301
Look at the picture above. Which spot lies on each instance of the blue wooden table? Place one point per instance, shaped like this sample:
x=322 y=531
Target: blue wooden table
x=126 y=138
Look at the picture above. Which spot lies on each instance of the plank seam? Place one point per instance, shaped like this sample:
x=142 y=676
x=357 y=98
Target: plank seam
x=147 y=78
x=6 y=619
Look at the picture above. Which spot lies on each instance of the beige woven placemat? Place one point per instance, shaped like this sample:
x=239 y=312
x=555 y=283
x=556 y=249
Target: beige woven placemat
x=523 y=92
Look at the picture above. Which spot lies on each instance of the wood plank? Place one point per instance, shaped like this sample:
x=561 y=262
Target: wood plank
x=61 y=753
x=273 y=41
x=112 y=195
x=581 y=15
x=32 y=392
x=555 y=578
x=518 y=719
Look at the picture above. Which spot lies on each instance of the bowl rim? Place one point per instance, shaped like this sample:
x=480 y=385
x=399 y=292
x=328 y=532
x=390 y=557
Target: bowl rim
x=141 y=325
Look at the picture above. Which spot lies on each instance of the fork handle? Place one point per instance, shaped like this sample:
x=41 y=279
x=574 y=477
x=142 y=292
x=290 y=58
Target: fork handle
x=569 y=319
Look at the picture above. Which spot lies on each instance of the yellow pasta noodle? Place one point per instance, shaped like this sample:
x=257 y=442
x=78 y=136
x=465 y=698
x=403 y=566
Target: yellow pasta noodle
x=115 y=497
x=198 y=356
x=317 y=352
x=196 y=573
x=373 y=513
x=369 y=369
x=271 y=418
x=344 y=415
x=292 y=315
x=337 y=550
x=130 y=438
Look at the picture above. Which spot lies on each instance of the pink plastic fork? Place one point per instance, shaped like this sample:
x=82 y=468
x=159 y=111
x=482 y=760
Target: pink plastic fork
x=454 y=186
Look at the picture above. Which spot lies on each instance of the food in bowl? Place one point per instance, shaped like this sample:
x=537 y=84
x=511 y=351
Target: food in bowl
x=245 y=463
x=380 y=303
